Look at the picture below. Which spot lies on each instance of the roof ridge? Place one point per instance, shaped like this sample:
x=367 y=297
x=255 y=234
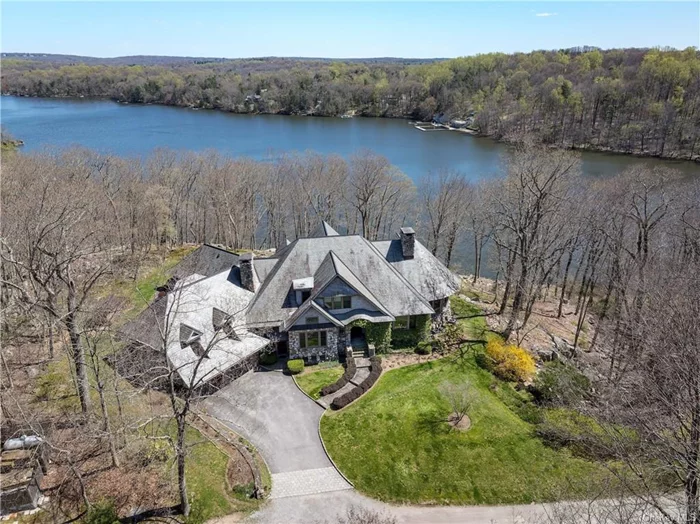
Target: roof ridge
x=271 y=275
x=213 y=246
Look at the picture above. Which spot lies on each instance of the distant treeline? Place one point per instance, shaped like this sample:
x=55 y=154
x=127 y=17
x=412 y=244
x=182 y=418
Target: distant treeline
x=628 y=100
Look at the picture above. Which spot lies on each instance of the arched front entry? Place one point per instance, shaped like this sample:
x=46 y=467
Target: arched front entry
x=358 y=342
x=357 y=332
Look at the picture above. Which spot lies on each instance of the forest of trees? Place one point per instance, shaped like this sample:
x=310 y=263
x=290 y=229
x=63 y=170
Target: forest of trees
x=642 y=101
x=626 y=248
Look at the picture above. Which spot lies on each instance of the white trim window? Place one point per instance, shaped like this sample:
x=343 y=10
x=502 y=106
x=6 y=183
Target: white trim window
x=312 y=339
x=338 y=302
x=408 y=322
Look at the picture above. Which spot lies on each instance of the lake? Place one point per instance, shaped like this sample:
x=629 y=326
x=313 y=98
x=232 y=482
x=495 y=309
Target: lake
x=135 y=130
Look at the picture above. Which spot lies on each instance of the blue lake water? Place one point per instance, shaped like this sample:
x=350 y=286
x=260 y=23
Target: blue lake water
x=135 y=130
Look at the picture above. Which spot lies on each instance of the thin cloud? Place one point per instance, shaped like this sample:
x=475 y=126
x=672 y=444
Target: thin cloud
x=545 y=14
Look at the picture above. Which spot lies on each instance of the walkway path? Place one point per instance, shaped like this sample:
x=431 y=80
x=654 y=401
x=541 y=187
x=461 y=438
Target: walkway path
x=361 y=373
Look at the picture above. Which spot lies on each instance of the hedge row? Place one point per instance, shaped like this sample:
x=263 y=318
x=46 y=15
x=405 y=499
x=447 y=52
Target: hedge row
x=350 y=369
x=357 y=391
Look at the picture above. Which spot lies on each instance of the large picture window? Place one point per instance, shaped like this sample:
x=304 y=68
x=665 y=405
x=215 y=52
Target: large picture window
x=312 y=339
x=338 y=302
x=405 y=323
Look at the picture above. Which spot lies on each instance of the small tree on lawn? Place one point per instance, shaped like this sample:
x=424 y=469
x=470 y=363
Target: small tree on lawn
x=458 y=395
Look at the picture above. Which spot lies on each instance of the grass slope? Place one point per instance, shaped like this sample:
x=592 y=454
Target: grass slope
x=313 y=380
x=393 y=444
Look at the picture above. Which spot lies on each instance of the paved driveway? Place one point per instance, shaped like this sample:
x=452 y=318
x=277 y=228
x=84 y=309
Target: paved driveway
x=268 y=409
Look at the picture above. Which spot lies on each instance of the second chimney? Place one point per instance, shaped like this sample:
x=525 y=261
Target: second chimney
x=408 y=241
x=249 y=279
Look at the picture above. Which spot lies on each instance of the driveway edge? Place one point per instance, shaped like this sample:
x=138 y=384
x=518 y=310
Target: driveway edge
x=328 y=454
x=318 y=430
x=308 y=396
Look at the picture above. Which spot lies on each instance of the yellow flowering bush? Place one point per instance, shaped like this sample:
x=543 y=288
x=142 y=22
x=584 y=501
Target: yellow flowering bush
x=509 y=362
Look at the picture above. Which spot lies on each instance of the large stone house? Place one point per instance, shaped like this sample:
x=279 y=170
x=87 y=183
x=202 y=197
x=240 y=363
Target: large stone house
x=312 y=299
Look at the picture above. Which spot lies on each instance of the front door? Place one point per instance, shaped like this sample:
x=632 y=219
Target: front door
x=357 y=337
x=282 y=349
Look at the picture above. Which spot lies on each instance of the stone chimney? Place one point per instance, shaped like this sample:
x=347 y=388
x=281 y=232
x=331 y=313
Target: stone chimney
x=408 y=241
x=249 y=278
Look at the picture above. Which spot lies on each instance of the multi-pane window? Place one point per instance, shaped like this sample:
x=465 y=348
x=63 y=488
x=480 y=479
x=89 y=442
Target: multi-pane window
x=312 y=320
x=312 y=339
x=405 y=323
x=338 y=302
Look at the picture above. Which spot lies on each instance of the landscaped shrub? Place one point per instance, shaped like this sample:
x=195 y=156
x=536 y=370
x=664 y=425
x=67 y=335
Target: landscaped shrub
x=424 y=348
x=295 y=366
x=332 y=388
x=268 y=359
x=357 y=391
x=560 y=383
x=507 y=361
x=349 y=372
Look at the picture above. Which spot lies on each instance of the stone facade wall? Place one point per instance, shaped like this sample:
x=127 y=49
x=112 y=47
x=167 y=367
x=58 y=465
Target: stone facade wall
x=317 y=354
x=445 y=316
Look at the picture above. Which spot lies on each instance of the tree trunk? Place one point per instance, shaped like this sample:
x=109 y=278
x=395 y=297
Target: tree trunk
x=106 y=426
x=563 y=283
x=81 y=376
x=181 y=455
x=506 y=291
x=477 y=258
x=517 y=301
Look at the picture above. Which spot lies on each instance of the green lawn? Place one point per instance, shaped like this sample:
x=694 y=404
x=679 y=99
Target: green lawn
x=313 y=379
x=393 y=444
x=206 y=476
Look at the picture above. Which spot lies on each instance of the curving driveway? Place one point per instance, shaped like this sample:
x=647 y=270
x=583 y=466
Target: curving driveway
x=268 y=409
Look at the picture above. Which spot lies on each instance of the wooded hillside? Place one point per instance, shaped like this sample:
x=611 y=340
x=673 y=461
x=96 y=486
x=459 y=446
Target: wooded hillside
x=629 y=100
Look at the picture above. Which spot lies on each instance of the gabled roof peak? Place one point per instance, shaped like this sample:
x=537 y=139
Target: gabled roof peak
x=324 y=229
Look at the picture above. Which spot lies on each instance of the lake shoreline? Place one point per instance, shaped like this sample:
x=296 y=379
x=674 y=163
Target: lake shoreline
x=411 y=121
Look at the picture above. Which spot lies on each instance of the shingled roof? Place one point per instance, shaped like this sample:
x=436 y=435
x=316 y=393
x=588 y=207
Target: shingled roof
x=426 y=273
x=206 y=260
x=303 y=258
x=189 y=313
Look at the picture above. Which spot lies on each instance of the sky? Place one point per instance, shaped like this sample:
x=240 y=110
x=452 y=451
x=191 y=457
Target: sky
x=340 y=29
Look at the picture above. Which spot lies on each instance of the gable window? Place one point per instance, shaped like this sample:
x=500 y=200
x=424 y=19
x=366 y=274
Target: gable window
x=405 y=323
x=312 y=320
x=224 y=322
x=338 y=302
x=312 y=339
